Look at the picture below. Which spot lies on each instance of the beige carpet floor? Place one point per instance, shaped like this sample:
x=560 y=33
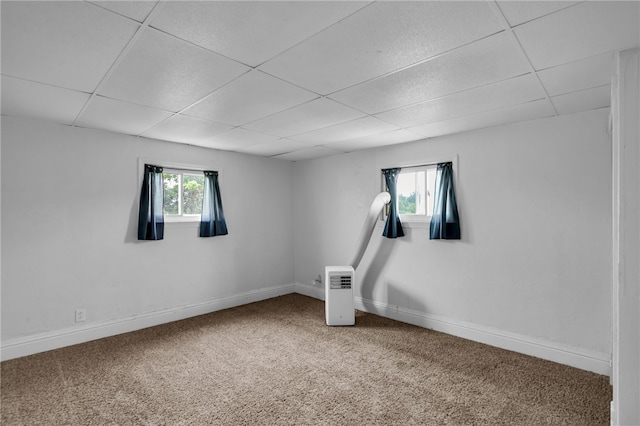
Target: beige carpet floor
x=275 y=363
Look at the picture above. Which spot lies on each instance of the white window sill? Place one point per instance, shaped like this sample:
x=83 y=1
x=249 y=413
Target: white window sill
x=182 y=223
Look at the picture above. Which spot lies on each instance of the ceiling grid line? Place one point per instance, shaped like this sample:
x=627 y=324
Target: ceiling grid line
x=512 y=35
x=307 y=79
x=314 y=35
x=182 y=110
x=446 y=96
x=141 y=28
x=412 y=65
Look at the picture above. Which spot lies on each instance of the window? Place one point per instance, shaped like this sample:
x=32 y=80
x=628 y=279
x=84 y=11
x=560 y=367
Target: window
x=182 y=195
x=416 y=186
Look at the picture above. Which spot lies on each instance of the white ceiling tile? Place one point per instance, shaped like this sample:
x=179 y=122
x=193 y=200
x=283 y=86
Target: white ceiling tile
x=121 y=117
x=250 y=32
x=381 y=38
x=486 y=61
x=376 y=140
x=304 y=118
x=504 y=93
x=137 y=10
x=250 y=97
x=518 y=12
x=523 y=112
x=586 y=29
x=27 y=99
x=238 y=139
x=583 y=100
x=164 y=72
x=185 y=129
x=277 y=147
x=67 y=44
x=459 y=69
x=309 y=153
x=351 y=129
x=586 y=73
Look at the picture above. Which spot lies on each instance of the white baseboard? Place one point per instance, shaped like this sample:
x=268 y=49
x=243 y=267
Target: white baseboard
x=584 y=359
x=29 y=345
x=576 y=357
x=309 y=290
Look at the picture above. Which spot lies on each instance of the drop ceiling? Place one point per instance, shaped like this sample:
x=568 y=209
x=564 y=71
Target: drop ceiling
x=306 y=79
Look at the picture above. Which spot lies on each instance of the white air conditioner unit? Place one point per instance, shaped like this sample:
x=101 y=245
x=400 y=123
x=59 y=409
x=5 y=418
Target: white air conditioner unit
x=340 y=280
x=339 y=309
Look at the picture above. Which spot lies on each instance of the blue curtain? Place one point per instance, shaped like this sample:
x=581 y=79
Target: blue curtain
x=445 y=223
x=150 y=216
x=212 y=220
x=393 y=226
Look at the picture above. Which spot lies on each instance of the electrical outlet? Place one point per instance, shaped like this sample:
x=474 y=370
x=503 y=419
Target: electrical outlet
x=81 y=315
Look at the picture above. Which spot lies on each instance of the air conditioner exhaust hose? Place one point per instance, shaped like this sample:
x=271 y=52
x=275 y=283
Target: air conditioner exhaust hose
x=369 y=224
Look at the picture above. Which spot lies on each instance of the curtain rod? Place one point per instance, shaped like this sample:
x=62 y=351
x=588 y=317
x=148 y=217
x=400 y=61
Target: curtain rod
x=415 y=165
x=181 y=169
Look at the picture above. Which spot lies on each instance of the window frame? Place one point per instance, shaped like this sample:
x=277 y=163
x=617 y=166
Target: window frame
x=181 y=217
x=188 y=168
x=416 y=221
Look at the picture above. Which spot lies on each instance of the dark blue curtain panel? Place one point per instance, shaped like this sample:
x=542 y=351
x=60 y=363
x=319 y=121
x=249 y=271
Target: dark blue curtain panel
x=212 y=221
x=151 y=218
x=393 y=226
x=445 y=223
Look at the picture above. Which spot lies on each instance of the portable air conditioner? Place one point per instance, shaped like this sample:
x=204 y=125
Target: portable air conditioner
x=340 y=280
x=339 y=309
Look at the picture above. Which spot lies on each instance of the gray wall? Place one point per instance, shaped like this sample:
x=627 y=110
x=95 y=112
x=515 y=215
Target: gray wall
x=532 y=272
x=69 y=233
x=534 y=265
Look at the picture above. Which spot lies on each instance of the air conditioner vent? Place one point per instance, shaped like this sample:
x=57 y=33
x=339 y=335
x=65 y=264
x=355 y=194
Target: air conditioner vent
x=340 y=282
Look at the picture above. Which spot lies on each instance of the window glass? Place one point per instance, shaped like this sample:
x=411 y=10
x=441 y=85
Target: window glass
x=416 y=188
x=182 y=194
x=192 y=188
x=171 y=193
x=411 y=193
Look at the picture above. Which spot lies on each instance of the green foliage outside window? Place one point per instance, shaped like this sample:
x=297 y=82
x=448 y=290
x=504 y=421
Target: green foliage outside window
x=192 y=188
x=192 y=194
x=407 y=205
x=171 y=190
